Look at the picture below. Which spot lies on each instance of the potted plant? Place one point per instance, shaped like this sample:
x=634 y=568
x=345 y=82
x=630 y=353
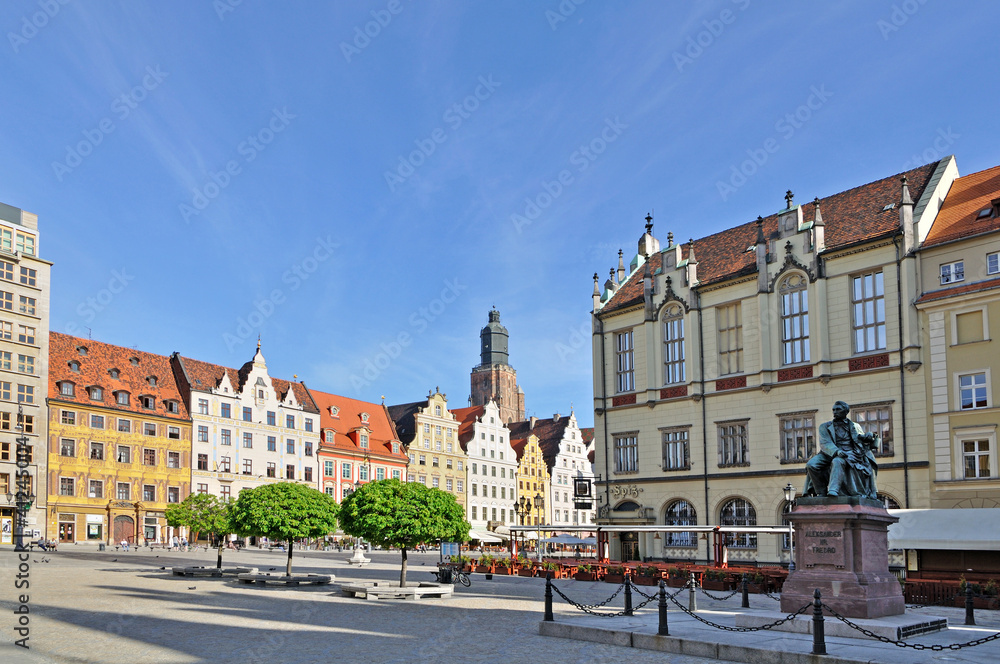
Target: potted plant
x=551 y=570
x=486 y=564
x=525 y=567
x=585 y=573
x=616 y=574
x=714 y=579
x=756 y=583
x=504 y=566
x=647 y=575
x=676 y=578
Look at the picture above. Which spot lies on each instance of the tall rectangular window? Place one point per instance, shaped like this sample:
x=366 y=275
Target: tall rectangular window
x=123 y=490
x=290 y=471
x=225 y=410
x=247 y=414
x=972 y=391
x=203 y=406
x=290 y=421
x=248 y=466
x=627 y=453
x=202 y=433
x=290 y=446
x=733 y=447
x=673 y=345
x=202 y=462
x=272 y=444
x=96 y=489
x=247 y=439
x=272 y=470
x=798 y=437
x=624 y=363
x=976 y=455
x=345 y=470
x=876 y=418
x=226 y=437
x=993 y=263
x=868 y=311
x=676 y=450
x=328 y=468
x=270 y=418
x=729 y=320
x=794 y=320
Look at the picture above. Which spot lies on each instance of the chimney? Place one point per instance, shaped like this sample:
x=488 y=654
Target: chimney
x=621 y=266
x=531 y=422
x=692 y=266
x=819 y=228
x=555 y=418
x=648 y=245
x=906 y=218
x=597 y=293
x=760 y=248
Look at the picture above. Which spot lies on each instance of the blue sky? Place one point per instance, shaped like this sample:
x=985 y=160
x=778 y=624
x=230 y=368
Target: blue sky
x=205 y=172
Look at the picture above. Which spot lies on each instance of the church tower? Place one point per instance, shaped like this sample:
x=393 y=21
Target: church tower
x=494 y=379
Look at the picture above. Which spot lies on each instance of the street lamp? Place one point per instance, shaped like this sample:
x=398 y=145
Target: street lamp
x=790 y=498
x=521 y=509
x=540 y=506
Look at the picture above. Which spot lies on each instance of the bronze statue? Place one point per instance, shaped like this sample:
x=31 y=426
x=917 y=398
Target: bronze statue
x=845 y=464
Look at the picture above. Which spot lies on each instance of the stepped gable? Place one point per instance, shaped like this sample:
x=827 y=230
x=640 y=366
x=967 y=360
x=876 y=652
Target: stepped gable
x=467 y=418
x=96 y=359
x=402 y=416
x=348 y=419
x=852 y=216
x=967 y=197
x=549 y=432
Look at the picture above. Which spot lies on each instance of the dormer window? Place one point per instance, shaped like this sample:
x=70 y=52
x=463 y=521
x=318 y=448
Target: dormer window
x=334 y=412
x=364 y=417
x=74 y=366
x=96 y=393
x=66 y=389
x=148 y=402
x=363 y=440
x=395 y=448
x=122 y=398
x=328 y=435
x=82 y=350
x=171 y=406
x=113 y=373
x=151 y=381
x=134 y=361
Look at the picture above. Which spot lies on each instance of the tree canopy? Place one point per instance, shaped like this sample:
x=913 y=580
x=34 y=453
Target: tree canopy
x=203 y=513
x=403 y=514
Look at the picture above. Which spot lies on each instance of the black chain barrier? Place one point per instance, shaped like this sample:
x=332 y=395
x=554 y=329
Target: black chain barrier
x=727 y=628
x=915 y=646
x=739 y=587
x=776 y=599
x=587 y=608
x=657 y=596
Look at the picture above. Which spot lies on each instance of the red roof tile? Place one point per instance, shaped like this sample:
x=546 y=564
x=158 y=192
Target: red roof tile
x=348 y=419
x=852 y=216
x=206 y=376
x=967 y=196
x=959 y=290
x=467 y=423
x=135 y=367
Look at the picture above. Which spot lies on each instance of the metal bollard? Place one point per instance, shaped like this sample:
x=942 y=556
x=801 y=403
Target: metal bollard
x=628 y=595
x=548 y=600
x=746 y=593
x=819 y=630
x=692 y=598
x=663 y=630
x=970 y=614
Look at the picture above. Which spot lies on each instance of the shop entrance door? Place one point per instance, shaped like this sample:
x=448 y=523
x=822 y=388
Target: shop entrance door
x=67 y=532
x=630 y=546
x=124 y=529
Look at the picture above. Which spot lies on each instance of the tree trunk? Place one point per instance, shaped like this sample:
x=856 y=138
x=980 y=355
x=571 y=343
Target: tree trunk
x=288 y=567
x=402 y=570
x=222 y=543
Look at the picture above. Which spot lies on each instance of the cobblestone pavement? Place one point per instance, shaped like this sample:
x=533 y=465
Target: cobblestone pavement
x=89 y=606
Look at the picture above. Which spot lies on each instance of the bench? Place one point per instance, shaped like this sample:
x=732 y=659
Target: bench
x=384 y=590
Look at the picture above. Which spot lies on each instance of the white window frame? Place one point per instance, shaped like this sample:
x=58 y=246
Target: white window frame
x=676 y=448
x=729 y=327
x=868 y=324
x=740 y=457
x=954 y=274
x=624 y=361
x=958 y=389
x=995 y=268
x=788 y=441
x=967 y=310
x=626 y=453
x=673 y=345
x=964 y=434
x=794 y=319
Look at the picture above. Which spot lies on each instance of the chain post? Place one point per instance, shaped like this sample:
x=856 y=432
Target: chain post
x=692 y=597
x=663 y=630
x=628 y=594
x=746 y=593
x=548 y=600
x=970 y=614
x=819 y=629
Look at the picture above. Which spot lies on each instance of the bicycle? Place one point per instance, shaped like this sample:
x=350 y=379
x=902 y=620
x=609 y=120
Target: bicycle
x=456 y=575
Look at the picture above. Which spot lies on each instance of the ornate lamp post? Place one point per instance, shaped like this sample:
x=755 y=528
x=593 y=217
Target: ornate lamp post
x=521 y=509
x=540 y=506
x=790 y=498
x=23 y=496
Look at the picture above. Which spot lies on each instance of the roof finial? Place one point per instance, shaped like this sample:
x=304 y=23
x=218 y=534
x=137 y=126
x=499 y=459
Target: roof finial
x=818 y=220
x=906 y=200
x=649 y=224
x=788 y=247
x=258 y=342
x=760 y=230
x=670 y=239
x=691 y=258
x=788 y=199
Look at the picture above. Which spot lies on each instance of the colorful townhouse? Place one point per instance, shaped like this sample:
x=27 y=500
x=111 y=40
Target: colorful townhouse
x=119 y=443
x=429 y=432
x=491 y=469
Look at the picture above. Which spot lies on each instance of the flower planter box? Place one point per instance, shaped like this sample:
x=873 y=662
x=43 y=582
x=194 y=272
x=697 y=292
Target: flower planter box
x=643 y=580
x=714 y=585
x=525 y=571
x=758 y=588
x=676 y=582
x=485 y=569
x=585 y=576
x=506 y=571
x=614 y=578
x=549 y=573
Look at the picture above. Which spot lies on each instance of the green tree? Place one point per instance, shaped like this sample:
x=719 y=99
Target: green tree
x=203 y=513
x=284 y=511
x=403 y=514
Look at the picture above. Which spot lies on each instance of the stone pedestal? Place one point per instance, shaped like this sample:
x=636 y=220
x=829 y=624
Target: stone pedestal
x=842 y=548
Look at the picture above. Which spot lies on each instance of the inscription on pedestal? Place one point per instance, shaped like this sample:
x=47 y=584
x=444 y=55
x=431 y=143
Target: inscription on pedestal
x=825 y=546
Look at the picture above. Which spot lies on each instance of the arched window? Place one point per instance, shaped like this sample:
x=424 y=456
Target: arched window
x=889 y=502
x=739 y=512
x=673 y=345
x=680 y=513
x=794 y=319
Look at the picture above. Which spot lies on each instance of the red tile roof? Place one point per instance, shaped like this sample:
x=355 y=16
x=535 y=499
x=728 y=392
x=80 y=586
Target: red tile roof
x=94 y=367
x=348 y=419
x=587 y=435
x=467 y=422
x=549 y=431
x=206 y=376
x=967 y=196
x=959 y=290
x=852 y=216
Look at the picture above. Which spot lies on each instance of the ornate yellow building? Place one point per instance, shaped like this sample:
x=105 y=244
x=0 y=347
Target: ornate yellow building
x=533 y=481
x=430 y=433
x=119 y=443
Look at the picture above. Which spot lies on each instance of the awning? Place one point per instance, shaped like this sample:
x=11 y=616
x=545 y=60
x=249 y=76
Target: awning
x=971 y=529
x=486 y=538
